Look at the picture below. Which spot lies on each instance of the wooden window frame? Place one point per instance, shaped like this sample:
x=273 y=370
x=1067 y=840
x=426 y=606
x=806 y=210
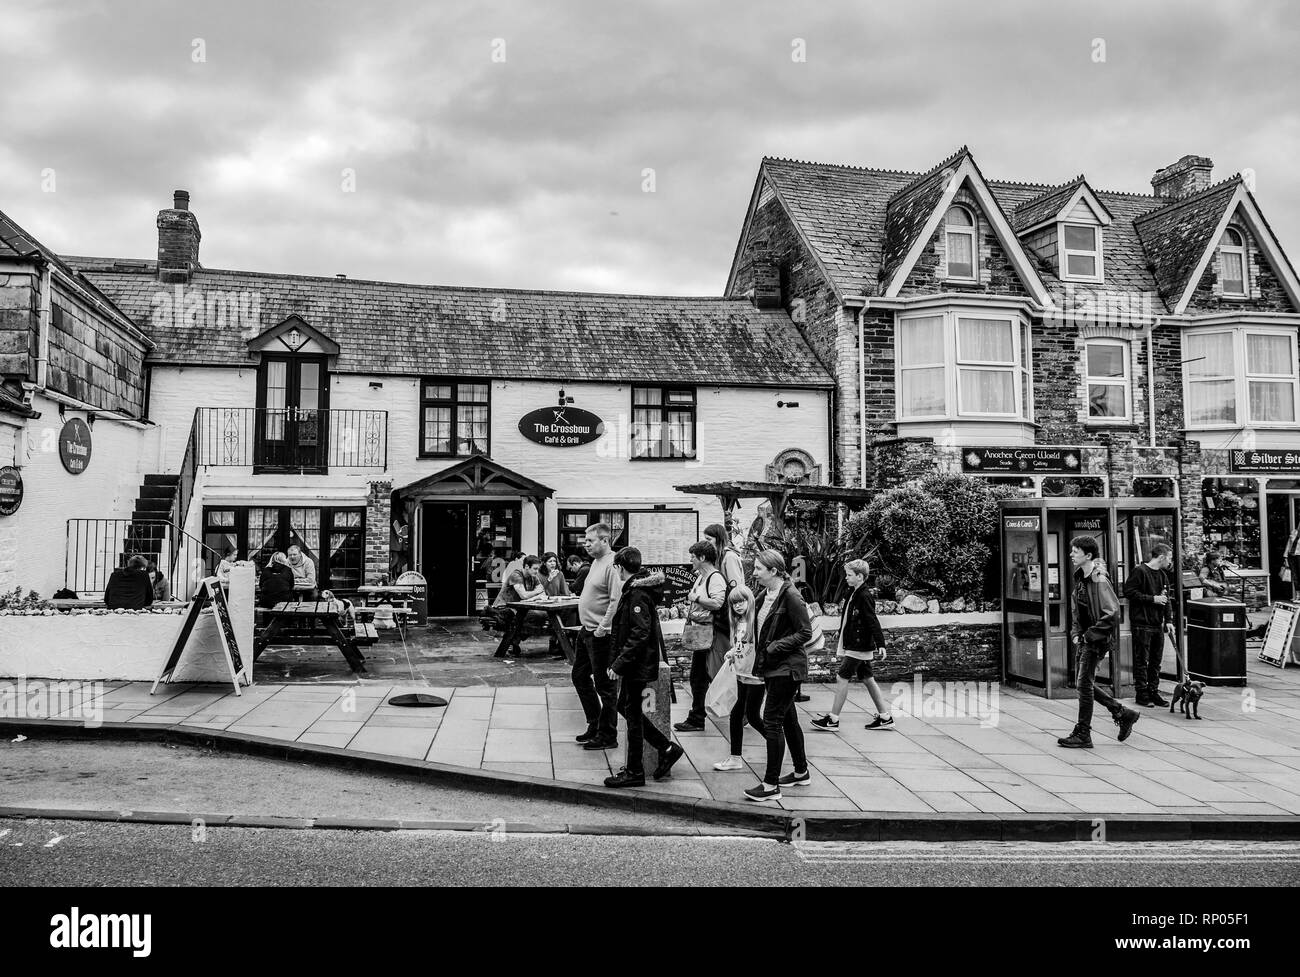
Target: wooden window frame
x=455 y=403
x=663 y=407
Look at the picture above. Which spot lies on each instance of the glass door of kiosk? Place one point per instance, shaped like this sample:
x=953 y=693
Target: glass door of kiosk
x=1137 y=530
x=1023 y=604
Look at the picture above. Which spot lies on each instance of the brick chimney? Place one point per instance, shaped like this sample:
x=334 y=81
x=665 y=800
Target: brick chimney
x=765 y=275
x=178 y=240
x=1189 y=175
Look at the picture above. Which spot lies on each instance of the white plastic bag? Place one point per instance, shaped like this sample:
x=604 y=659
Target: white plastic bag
x=721 y=698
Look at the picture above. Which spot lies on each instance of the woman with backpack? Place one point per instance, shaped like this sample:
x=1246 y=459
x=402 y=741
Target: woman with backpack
x=783 y=628
x=708 y=630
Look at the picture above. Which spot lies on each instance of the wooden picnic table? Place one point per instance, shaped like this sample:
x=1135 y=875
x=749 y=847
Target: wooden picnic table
x=318 y=616
x=554 y=608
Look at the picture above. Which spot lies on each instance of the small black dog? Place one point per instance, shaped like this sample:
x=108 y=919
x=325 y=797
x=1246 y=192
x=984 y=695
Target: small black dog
x=1189 y=693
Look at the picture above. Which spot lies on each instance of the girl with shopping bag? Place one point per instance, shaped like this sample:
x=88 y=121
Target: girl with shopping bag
x=749 y=690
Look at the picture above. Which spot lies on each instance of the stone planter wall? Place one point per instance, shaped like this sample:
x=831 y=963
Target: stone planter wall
x=943 y=647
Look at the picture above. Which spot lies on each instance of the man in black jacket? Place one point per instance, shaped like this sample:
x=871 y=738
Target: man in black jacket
x=129 y=587
x=1150 y=614
x=635 y=644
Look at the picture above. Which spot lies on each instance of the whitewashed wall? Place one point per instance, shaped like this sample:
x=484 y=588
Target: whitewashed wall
x=739 y=431
x=121 y=455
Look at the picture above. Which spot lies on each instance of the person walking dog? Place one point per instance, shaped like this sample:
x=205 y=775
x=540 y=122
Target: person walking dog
x=1095 y=615
x=1150 y=615
x=783 y=628
x=861 y=640
x=635 y=643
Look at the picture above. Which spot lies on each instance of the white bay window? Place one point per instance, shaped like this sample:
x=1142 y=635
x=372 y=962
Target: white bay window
x=962 y=365
x=1240 y=376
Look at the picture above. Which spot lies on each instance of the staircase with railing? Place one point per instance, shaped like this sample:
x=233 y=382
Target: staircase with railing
x=97 y=547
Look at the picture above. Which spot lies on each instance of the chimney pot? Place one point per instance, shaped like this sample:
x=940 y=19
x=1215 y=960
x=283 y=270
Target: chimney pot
x=181 y=200
x=1189 y=175
x=340 y=275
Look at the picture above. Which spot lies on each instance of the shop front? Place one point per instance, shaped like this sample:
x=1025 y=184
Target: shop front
x=1037 y=575
x=1251 y=512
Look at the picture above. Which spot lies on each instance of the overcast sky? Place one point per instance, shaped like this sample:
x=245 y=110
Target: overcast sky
x=527 y=172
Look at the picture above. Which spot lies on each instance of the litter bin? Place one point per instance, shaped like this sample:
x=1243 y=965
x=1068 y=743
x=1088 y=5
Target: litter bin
x=1216 y=641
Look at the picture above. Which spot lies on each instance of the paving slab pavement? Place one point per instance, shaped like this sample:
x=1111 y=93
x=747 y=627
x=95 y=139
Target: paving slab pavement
x=1242 y=758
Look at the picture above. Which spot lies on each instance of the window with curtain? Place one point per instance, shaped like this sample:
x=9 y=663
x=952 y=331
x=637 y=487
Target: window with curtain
x=454 y=418
x=663 y=422
x=922 y=371
x=1108 y=380
x=1250 y=367
x=954 y=366
x=960 y=239
x=987 y=366
x=1271 y=377
x=1232 y=262
x=1211 y=378
x=1081 y=244
x=346 y=549
x=304 y=530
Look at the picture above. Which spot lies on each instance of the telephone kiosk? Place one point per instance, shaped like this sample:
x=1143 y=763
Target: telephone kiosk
x=1037 y=578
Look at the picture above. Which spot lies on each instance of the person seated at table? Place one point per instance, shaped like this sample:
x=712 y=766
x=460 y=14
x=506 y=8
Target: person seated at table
x=129 y=587
x=304 y=572
x=577 y=568
x=161 y=589
x=276 y=582
x=553 y=577
x=525 y=583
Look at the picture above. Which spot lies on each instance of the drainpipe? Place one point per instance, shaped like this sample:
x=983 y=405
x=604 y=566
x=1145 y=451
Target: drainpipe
x=43 y=327
x=1151 y=378
x=862 y=396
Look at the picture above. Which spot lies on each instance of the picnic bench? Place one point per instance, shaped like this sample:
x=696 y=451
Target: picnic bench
x=314 y=622
x=554 y=609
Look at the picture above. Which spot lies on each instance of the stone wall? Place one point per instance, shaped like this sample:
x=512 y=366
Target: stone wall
x=1265 y=291
x=996 y=273
x=378 y=529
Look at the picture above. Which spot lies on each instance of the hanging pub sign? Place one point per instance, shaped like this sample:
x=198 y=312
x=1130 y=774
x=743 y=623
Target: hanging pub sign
x=1263 y=461
x=11 y=490
x=74 y=446
x=1021 y=460
x=561 y=427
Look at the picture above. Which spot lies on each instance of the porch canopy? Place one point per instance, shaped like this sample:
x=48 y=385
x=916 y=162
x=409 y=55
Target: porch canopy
x=777 y=493
x=476 y=475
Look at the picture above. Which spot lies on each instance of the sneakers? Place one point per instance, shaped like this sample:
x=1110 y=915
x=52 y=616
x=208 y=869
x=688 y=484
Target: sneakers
x=626 y=778
x=795 y=780
x=586 y=737
x=601 y=743
x=689 y=726
x=763 y=793
x=731 y=763
x=666 y=761
x=826 y=723
x=1125 y=720
x=1080 y=739
x=881 y=722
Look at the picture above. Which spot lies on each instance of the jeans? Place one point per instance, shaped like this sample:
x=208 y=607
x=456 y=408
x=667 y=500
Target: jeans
x=1088 y=690
x=1148 y=649
x=639 y=726
x=781 y=724
x=748 y=709
x=699 y=679
x=595 y=688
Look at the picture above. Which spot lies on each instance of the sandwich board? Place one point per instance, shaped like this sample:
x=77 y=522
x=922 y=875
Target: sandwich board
x=209 y=595
x=1280 y=642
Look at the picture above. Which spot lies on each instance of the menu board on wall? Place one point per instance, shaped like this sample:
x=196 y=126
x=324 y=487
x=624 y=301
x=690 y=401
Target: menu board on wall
x=663 y=537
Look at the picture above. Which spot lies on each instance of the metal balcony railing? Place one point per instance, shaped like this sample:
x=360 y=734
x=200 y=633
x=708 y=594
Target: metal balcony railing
x=97 y=547
x=292 y=439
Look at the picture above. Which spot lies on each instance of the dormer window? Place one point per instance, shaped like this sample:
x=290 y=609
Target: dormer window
x=1081 y=252
x=1232 y=262
x=960 y=235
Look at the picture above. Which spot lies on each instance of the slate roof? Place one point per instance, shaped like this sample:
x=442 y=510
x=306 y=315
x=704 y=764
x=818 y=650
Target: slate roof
x=1045 y=206
x=1177 y=237
x=857 y=222
x=389 y=328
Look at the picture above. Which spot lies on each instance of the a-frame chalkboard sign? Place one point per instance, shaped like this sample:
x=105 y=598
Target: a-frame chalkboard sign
x=209 y=595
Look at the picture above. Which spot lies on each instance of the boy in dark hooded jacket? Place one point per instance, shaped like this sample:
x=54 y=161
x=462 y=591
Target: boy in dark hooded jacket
x=635 y=644
x=1094 y=618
